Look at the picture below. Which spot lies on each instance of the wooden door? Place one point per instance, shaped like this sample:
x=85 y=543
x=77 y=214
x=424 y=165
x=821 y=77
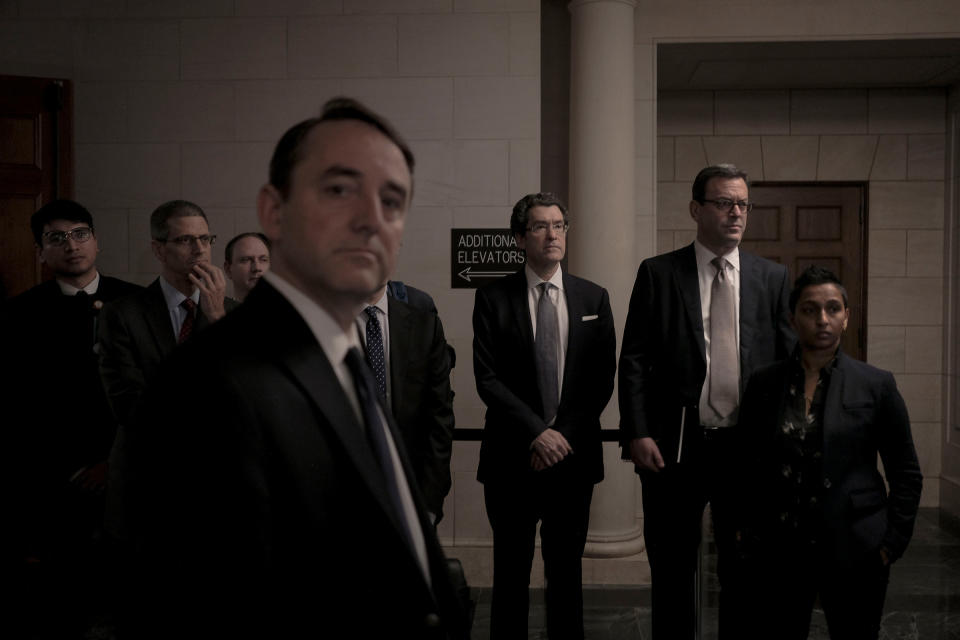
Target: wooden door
x=803 y=224
x=36 y=166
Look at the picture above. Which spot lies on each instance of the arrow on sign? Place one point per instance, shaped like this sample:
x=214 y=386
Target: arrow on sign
x=466 y=274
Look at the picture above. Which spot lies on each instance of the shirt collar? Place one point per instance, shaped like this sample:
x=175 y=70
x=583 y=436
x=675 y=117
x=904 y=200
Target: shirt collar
x=334 y=341
x=380 y=304
x=533 y=280
x=797 y=354
x=173 y=296
x=70 y=290
x=705 y=256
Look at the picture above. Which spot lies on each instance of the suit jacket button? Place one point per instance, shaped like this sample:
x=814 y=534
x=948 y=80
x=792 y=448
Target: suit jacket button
x=826 y=483
x=431 y=621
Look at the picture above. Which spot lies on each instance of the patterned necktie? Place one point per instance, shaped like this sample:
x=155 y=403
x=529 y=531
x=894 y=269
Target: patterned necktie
x=545 y=350
x=187 y=327
x=376 y=432
x=375 y=350
x=724 y=378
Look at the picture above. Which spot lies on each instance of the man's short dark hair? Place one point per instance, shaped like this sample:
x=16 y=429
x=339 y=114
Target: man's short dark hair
x=811 y=277
x=160 y=218
x=228 y=251
x=715 y=171
x=521 y=211
x=289 y=149
x=58 y=210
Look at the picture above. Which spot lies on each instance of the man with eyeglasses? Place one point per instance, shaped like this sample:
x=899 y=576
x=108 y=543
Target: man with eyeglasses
x=701 y=319
x=544 y=357
x=59 y=428
x=137 y=335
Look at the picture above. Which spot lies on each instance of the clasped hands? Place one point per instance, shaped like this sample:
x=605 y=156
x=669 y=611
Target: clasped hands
x=549 y=448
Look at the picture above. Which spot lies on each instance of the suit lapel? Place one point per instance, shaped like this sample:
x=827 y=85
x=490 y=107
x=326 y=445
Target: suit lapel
x=688 y=282
x=399 y=318
x=521 y=310
x=157 y=319
x=750 y=287
x=575 y=313
x=302 y=356
x=832 y=412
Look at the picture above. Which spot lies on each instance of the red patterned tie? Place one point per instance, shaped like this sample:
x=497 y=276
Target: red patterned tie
x=187 y=327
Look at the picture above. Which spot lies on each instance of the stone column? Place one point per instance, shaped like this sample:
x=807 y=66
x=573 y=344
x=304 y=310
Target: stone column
x=602 y=207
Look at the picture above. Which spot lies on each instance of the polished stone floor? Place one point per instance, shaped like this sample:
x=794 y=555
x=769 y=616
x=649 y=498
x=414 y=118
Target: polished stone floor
x=923 y=601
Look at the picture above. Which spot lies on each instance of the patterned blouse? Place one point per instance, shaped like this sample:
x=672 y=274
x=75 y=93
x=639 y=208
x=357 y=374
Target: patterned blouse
x=800 y=446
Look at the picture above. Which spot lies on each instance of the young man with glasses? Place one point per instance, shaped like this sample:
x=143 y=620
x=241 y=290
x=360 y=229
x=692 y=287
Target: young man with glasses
x=544 y=357
x=59 y=428
x=700 y=320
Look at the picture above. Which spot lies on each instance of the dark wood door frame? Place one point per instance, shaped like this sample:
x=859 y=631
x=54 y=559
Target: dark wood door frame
x=36 y=166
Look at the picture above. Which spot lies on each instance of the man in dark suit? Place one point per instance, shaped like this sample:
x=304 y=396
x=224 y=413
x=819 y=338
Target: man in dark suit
x=544 y=356
x=63 y=430
x=701 y=319
x=245 y=259
x=140 y=332
x=419 y=299
x=293 y=511
x=410 y=345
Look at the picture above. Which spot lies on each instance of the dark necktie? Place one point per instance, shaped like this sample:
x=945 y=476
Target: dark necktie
x=545 y=350
x=376 y=432
x=87 y=315
x=187 y=327
x=375 y=350
x=724 y=381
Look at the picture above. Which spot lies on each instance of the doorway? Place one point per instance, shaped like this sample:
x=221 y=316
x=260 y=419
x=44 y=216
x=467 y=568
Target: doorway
x=798 y=225
x=36 y=166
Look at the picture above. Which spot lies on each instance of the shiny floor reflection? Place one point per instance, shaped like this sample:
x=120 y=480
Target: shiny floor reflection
x=923 y=601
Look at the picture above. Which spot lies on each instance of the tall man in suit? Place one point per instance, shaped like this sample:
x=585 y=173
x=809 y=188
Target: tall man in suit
x=293 y=511
x=701 y=319
x=544 y=356
x=63 y=429
x=137 y=334
x=407 y=352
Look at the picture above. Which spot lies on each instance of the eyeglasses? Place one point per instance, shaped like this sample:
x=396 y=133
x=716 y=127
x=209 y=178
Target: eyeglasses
x=727 y=205
x=188 y=240
x=59 y=238
x=540 y=228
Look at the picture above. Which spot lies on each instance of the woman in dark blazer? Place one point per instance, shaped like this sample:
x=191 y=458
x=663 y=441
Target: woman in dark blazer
x=817 y=519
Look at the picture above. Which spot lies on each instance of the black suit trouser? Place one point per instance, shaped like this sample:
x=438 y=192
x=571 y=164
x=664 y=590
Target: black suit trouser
x=673 y=503
x=561 y=503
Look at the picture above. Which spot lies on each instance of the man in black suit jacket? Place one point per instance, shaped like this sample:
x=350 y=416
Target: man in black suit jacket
x=140 y=332
x=417 y=388
x=61 y=428
x=541 y=451
x=681 y=436
x=293 y=511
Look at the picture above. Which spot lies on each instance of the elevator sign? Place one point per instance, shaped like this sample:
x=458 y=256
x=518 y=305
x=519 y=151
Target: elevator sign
x=480 y=255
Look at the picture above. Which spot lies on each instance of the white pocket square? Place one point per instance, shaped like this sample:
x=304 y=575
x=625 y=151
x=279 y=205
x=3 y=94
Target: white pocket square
x=585 y=318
